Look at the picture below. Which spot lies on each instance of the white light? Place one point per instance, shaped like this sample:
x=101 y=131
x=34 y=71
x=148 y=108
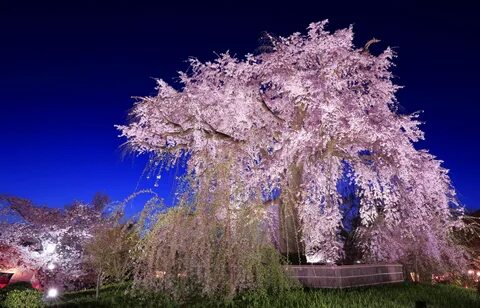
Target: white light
x=50 y=248
x=52 y=293
x=470 y=272
x=160 y=274
x=478 y=274
x=51 y=266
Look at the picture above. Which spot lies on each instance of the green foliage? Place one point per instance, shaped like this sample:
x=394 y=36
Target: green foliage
x=402 y=295
x=210 y=247
x=110 y=252
x=268 y=265
x=116 y=295
x=195 y=254
x=23 y=299
x=399 y=295
x=20 y=286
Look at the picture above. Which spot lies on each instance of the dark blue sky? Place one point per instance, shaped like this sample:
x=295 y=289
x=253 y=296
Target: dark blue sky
x=68 y=72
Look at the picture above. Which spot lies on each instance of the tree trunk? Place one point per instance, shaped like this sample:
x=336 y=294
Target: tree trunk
x=99 y=282
x=290 y=229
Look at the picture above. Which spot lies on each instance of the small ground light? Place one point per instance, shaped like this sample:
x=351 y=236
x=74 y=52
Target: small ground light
x=160 y=274
x=51 y=266
x=52 y=293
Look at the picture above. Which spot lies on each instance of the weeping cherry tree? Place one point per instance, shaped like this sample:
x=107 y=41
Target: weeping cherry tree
x=310 y=112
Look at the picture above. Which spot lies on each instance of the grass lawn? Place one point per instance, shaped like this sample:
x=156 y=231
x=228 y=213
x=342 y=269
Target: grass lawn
x=399 y=295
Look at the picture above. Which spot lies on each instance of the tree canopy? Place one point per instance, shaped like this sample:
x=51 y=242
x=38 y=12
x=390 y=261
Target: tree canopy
x=311 y=111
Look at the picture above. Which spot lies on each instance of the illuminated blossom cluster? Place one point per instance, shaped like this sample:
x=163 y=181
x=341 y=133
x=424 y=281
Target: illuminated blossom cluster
x=292 y=119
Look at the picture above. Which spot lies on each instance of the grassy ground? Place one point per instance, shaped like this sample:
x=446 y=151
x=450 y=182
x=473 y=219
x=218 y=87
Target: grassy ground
x=400 y=295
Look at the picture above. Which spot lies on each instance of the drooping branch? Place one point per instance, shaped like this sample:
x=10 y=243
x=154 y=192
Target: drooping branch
x=369 y=43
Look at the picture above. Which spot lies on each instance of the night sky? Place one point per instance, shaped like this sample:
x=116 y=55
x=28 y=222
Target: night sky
x=68 y=74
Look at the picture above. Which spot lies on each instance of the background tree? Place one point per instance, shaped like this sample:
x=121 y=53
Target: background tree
x=111 y=252
x=100 y=201
x=49 y=242
x=290 y=120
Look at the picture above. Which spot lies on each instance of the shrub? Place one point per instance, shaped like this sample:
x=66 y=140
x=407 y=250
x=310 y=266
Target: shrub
x=21 y=285
x=110 y=251
x=23 y=299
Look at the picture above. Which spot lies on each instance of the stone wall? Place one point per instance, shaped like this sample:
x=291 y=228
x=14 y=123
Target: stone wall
x=346 y=276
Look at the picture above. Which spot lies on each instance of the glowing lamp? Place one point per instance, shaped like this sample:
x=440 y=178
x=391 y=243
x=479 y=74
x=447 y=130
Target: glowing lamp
x=51 y=266
x=52 y=293
x=471 y=272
